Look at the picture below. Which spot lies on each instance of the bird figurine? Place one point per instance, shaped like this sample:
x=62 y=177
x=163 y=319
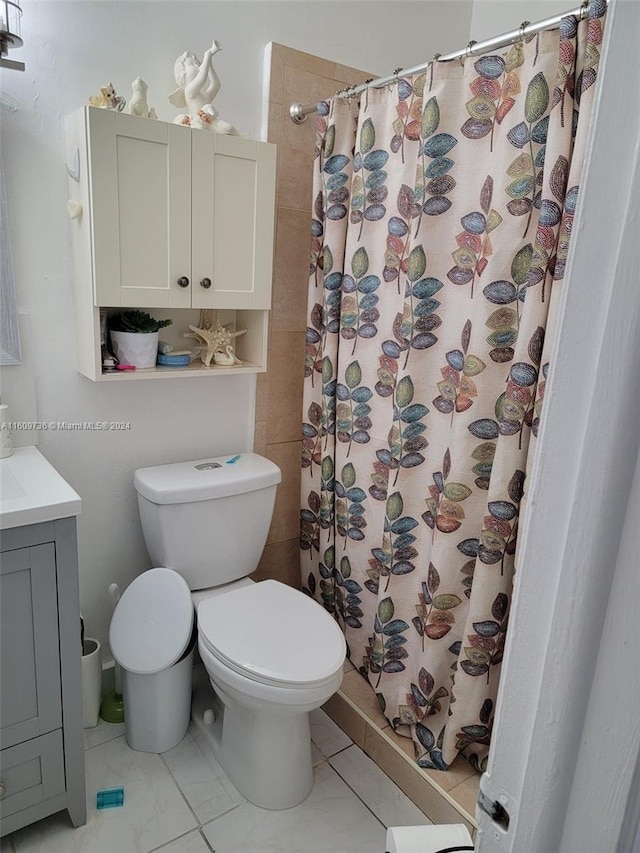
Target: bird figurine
x=226 y=358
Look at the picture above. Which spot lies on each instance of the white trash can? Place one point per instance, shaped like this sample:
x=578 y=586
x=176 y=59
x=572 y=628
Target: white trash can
x=152 y=638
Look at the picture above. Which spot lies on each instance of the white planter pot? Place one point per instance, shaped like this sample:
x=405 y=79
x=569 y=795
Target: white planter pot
x=137 y=348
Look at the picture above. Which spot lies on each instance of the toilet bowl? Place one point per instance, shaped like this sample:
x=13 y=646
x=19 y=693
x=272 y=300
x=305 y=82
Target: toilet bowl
x=272 y=654
x=268 y=676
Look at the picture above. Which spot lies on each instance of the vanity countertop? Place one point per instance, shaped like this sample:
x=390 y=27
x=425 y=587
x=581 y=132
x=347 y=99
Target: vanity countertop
x=31 y=490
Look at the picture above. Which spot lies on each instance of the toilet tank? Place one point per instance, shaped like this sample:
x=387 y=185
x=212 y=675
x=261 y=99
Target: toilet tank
x=208 y=519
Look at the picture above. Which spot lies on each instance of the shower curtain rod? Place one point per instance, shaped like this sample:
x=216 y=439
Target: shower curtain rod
x=299 y=112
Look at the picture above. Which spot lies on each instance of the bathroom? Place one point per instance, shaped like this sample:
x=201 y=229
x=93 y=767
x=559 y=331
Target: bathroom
x=70 y=51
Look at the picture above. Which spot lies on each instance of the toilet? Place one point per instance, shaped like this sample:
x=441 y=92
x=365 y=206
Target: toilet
x=271 y=653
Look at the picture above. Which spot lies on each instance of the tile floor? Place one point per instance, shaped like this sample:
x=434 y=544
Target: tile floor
x=183 y=802
x=445 y=797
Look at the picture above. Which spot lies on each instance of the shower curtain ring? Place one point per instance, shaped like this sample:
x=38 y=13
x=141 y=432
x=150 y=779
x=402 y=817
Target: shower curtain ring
x=523 y=29
x=584 y=10
x=468 y=50
x=436 y=57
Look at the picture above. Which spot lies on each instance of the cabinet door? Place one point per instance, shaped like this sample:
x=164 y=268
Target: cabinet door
x=233 y=195
x=29 y=657
x=141 y=205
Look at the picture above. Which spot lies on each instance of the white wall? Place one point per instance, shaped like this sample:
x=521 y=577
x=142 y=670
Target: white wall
x=71 y=49
x=493 y=17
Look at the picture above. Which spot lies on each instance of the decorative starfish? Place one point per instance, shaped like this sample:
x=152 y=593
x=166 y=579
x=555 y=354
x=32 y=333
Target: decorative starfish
x=216 y=337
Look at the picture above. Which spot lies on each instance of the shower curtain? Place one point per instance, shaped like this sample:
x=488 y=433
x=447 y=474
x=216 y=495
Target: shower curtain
x=442 y=215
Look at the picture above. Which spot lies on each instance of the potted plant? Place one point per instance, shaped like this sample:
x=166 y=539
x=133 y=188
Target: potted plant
x=134 y=337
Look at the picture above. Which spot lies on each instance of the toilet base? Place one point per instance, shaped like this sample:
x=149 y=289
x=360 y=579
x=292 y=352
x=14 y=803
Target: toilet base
x=267 y=756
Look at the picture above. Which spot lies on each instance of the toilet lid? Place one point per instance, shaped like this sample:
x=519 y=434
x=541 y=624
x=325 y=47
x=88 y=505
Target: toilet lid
x=152 y=622
x=273 y=633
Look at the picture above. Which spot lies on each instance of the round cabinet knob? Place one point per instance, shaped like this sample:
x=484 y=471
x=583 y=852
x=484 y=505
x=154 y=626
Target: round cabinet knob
x=206 y=283
x=183 y=281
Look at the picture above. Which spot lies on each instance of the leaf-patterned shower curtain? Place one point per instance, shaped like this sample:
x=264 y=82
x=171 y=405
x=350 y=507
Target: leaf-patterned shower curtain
x=443 y=208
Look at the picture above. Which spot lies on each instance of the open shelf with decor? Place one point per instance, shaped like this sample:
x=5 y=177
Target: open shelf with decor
x=248 y=348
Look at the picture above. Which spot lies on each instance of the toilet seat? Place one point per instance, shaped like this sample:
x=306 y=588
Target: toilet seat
x=285 y=638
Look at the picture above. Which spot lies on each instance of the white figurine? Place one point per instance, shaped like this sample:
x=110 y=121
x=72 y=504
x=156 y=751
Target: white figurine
x=137 y=105
x=226 y=358
x=198 y=84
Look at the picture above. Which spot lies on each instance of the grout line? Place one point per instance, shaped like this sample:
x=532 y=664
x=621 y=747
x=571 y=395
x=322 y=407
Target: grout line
x=206 y=840
x=416 y=769
x=199 y=823
x=182 y=794
x=364 y=803
x=172 y=840
x=108 y=740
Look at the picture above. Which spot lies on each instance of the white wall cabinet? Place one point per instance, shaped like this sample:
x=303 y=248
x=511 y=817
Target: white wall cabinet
x=173 y=218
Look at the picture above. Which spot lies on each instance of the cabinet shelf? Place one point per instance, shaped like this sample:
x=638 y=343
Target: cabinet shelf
x=195 y=369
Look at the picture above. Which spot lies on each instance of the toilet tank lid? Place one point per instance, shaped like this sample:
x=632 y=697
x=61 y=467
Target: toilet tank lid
x=203 y=479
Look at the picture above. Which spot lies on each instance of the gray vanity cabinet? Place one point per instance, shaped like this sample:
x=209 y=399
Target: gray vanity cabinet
x=41 y=733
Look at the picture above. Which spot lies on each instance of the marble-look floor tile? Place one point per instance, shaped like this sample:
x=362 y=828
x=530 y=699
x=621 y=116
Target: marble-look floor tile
x=316 y=756
x=378 y=792
x=205 y=785
x=331 y=818
x=192 y=842
x=6 y=845
x=466 y=793
x=153 y=813
x=327 y=736
x=102 y=733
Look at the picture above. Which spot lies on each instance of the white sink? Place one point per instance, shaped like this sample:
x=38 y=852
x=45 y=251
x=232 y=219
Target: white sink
x=31 y=490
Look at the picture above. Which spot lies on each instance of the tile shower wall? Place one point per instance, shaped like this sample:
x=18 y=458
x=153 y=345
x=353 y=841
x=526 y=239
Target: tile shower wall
x=294 y=76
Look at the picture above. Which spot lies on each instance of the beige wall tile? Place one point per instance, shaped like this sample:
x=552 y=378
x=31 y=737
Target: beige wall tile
x=295 y=157
x=262 y=396
x=276 y=122
x=280 y=561
x=351 y=76
x=276 y=75
x=286 y=514
x=260 y=437
x=295 y=75
x=434 y=803
x=286 y=374
x=291 y=272
x=349 y=720
x=358 y=689
x=302 y=61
